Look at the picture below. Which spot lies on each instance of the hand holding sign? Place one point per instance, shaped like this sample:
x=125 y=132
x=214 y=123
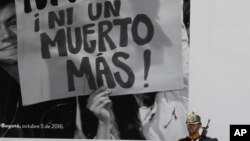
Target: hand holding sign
x=98 y=104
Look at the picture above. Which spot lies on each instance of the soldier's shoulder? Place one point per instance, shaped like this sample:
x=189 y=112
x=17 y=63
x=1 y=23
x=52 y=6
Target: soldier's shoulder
x=210 y=139
x=183 y=139
x=207 y=137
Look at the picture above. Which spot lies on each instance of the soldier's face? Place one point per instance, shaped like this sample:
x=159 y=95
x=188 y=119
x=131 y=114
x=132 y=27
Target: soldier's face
x=193 y=128
x=8 y=37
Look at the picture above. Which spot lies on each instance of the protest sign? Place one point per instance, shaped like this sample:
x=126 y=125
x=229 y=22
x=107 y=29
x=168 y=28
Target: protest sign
x=71 y=47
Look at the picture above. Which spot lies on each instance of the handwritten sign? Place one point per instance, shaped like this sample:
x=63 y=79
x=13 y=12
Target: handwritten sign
x=71 y=47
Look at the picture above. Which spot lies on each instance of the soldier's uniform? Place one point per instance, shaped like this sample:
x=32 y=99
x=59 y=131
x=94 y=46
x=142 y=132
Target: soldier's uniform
x=193 y=119
x=196 y=137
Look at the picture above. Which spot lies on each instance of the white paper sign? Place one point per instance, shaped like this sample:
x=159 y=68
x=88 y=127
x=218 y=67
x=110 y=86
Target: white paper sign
x=71 y=47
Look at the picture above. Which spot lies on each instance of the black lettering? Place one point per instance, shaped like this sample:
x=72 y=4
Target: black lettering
x=142 y=18
x=110 y=9
x=70 y=16
x=78 y=40
x=54 y=2
x=131 y=77
x=72 y=1
x=40 y=4
x=104 y=34
x=105 y=71
x=86 y=31
x=98 y=11
x=60 y=19
x=60 y=40
x=27 y=6
x=85 y=69
x=54 y=19
x=37 y=26
x=124 y=30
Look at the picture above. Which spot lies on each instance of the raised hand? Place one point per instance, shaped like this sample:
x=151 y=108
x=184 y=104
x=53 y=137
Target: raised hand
x=100 y=104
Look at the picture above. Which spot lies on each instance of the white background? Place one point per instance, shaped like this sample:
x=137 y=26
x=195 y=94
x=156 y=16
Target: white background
x=220 y=63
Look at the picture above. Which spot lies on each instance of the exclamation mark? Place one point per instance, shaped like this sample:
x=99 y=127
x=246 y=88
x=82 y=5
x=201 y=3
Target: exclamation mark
x=147 y=60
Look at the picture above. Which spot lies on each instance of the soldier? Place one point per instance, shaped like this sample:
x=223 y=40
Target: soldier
x=193 y=122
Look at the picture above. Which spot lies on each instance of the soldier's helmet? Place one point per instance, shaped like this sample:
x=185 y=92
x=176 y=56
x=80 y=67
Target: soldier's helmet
x=193 y=119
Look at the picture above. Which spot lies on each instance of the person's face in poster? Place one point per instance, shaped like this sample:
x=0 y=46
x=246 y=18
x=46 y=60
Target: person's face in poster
x=8 y=37
x=8 y=40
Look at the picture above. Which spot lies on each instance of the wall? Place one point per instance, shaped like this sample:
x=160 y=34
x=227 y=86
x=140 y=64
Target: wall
x=220 y=63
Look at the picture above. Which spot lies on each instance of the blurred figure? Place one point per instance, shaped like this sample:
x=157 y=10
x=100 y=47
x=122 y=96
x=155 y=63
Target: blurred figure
x=163 y=115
